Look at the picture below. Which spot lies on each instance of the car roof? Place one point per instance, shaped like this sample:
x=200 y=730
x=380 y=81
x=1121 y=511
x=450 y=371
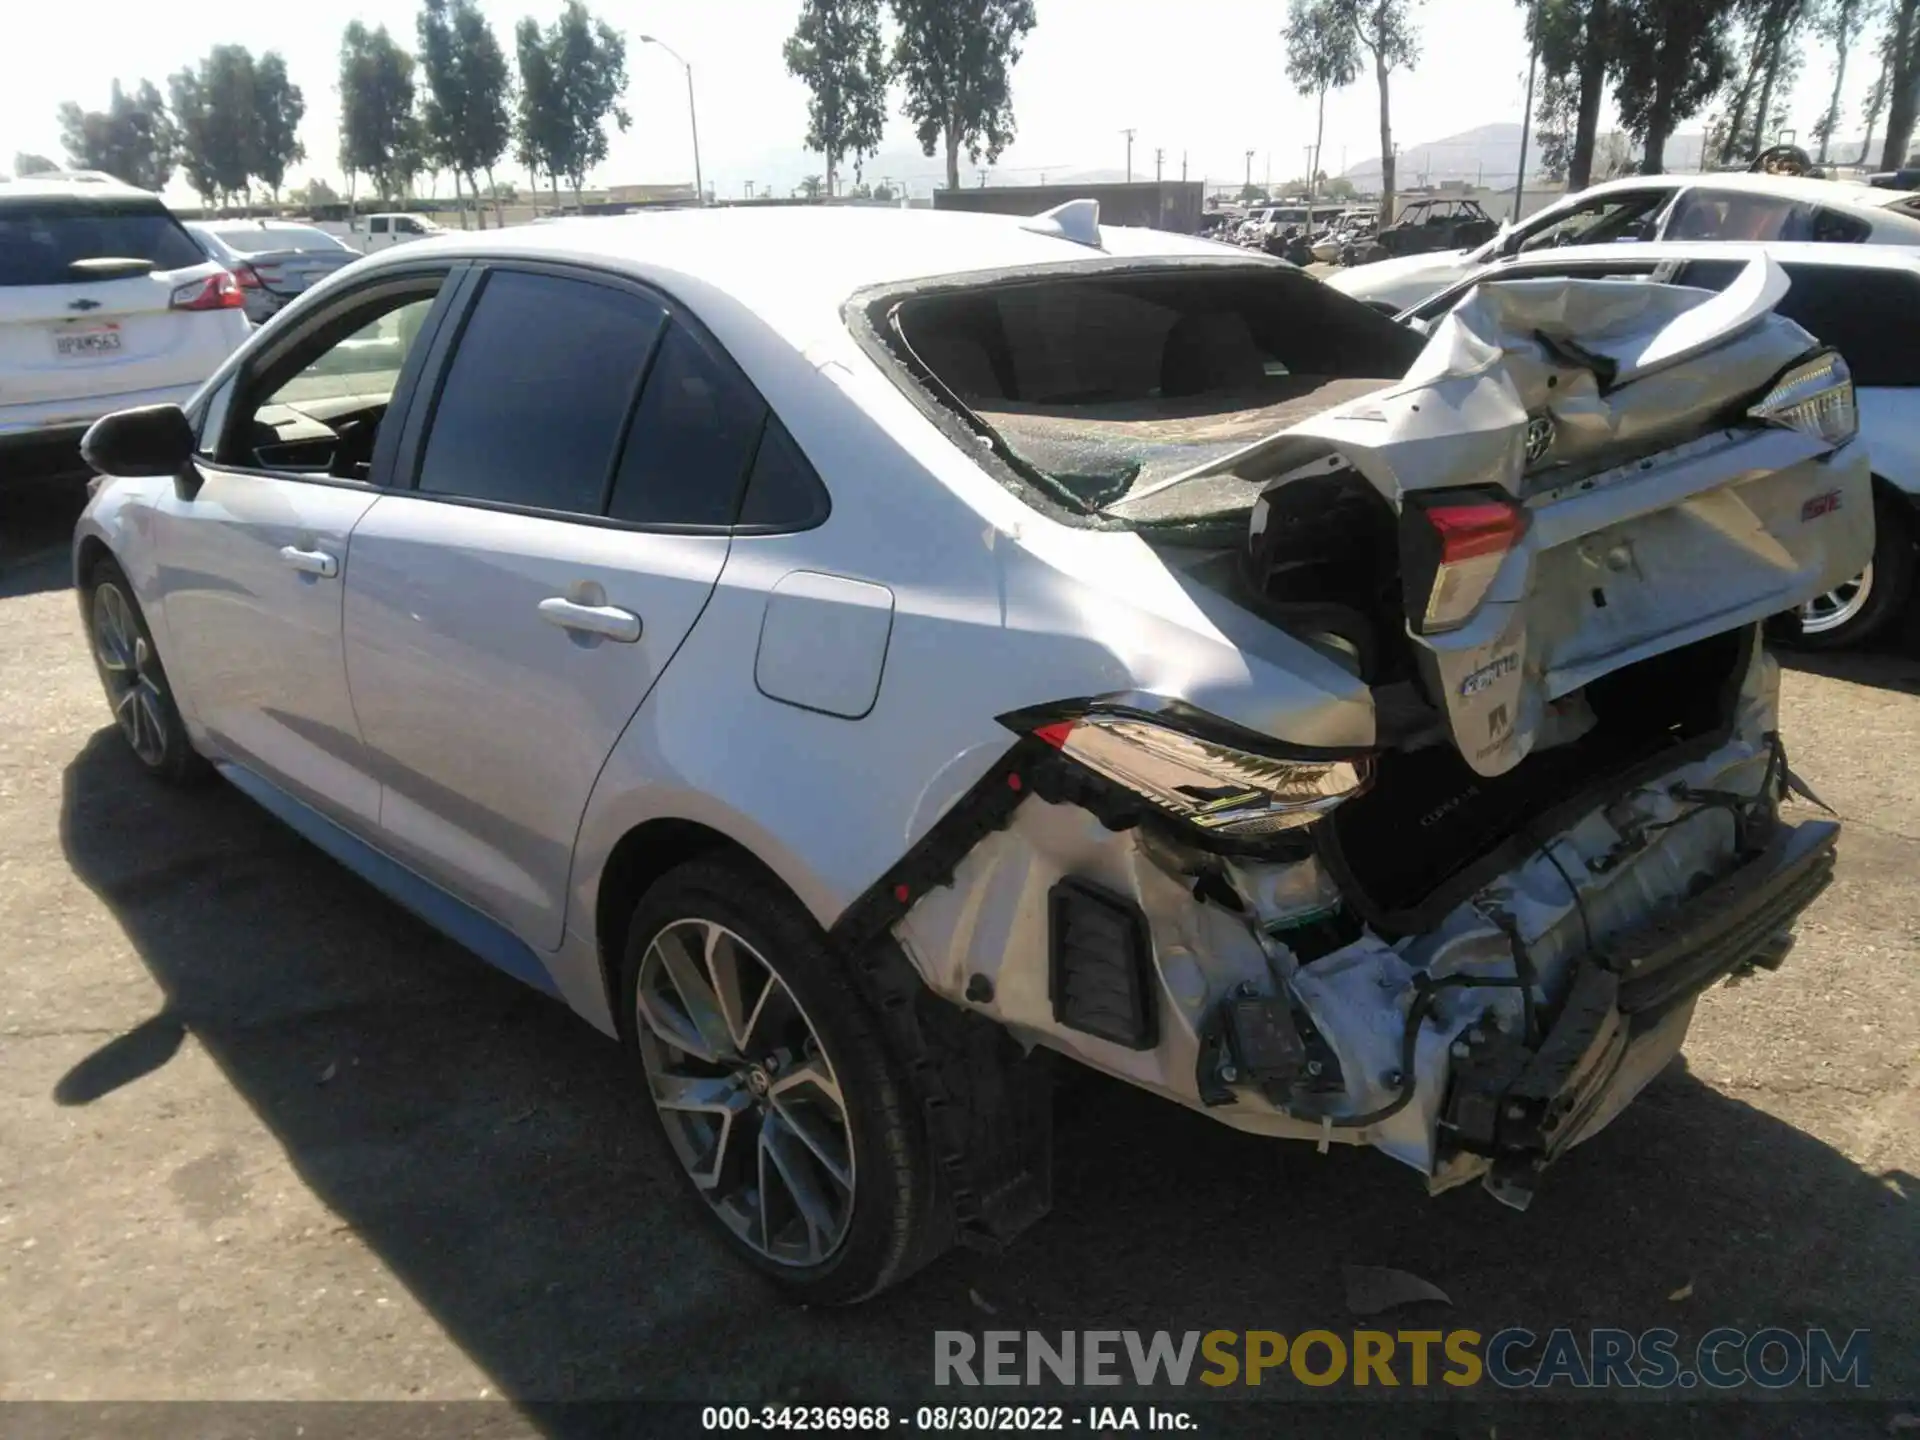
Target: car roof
x=1795 y=252
x=73 y=185
x=1793 y=187
x=795 y=266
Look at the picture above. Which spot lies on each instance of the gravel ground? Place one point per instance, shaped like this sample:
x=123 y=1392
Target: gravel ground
x=264 y=1136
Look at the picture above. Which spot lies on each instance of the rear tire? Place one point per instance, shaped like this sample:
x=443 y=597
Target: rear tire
x=795 y=1128
x=130 y=672
x=1851 y=614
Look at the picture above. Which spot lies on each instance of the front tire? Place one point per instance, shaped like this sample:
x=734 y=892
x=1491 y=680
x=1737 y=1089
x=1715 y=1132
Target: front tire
x=136 y=683
x=793 y=1125
x=1853 y=613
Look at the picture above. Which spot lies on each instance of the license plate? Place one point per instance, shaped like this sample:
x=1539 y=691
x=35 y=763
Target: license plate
x=77 y=344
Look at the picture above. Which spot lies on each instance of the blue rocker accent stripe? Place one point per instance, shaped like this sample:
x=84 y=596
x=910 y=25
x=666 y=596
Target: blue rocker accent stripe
x=455 y=919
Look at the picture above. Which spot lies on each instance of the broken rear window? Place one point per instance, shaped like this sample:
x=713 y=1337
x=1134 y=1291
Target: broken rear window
x=1097 y=385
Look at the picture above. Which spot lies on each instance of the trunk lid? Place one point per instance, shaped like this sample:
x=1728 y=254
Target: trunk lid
x=1611 y=417
x=292 y=272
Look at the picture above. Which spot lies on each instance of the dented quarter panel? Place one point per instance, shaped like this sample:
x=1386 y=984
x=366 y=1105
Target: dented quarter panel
x=1640 y=853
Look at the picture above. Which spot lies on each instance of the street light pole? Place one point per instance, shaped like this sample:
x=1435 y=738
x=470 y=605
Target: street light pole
x=1526 y=119
x=693 y=118
x=1129 y=135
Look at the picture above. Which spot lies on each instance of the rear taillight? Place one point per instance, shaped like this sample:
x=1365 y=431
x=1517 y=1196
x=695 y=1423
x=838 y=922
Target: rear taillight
x=1815 y=396
x=244 y=276
x=216 y=292
x=1454 y=546
x=1199 y=777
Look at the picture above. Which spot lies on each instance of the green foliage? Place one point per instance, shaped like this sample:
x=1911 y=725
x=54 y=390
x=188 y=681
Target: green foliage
x=315 y=194
x=1672 y=57
x=278 y=108
x=955 y=59
x=835 y=49
x=378 y=131
x=572 y=77
x=464 y=110
x=25 y=163
x=131 y=140
x=193 y=124
x=812 y=187
x=1339 y=188
x=1323 y=51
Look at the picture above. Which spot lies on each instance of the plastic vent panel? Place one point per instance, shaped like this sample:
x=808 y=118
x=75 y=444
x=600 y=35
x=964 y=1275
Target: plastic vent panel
x=1099 y=965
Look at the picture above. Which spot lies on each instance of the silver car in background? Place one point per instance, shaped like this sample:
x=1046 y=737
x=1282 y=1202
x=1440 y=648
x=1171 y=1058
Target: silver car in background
x=850 y=655
x=273 y=261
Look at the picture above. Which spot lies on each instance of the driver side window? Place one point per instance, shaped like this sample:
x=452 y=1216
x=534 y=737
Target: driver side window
x=316 y=410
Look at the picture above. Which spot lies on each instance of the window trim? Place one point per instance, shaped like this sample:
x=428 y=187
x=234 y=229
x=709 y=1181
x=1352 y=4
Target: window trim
x=406 y=475
x=453 y=276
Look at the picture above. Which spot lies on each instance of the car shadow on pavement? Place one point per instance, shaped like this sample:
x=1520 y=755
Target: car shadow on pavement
x=492 y=1151
x=36 y=531
x=1884 y=669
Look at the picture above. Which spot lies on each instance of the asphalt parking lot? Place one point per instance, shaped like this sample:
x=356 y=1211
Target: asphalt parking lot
x=264 y=1136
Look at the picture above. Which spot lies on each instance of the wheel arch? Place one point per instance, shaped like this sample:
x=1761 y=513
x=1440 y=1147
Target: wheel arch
x=637 y=861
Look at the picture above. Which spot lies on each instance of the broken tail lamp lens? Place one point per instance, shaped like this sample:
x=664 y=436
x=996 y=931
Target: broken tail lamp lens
x=1815 y=396
x=1215 y=787
x=1463 y=542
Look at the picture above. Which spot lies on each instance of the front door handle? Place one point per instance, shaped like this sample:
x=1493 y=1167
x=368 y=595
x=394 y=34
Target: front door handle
x=607 y=621
x=310 y=562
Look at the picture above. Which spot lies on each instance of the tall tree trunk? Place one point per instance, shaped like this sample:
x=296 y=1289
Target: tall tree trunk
x=1387 y=166
x=1763 y=113
x=499 y=220
x=1737 y=118
x=953 y=155
x=1593 y=84
x=830 y=172
x=459 y=200
x=1904 y=93
x=1873 y=111
x=1842 y=23
x=1319 y=134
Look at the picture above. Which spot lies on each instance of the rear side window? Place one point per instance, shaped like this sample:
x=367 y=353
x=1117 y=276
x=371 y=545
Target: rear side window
x=1735 y=215
x=783 y=492
x=1869 y=315
x=695 y=431
x=378 y=225
x=46 y=241
x=534 y=403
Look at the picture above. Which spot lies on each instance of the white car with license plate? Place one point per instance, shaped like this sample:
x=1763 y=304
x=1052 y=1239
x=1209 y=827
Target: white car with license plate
x=105 y=302
x=840 y=653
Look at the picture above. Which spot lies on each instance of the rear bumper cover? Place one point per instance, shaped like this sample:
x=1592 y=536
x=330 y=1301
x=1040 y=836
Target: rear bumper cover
x=1513 y=1111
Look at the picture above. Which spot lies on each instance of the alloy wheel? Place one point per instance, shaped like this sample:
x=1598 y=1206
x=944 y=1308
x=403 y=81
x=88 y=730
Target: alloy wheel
x=1836 y=607
x=746 y=1092
x=129 y=669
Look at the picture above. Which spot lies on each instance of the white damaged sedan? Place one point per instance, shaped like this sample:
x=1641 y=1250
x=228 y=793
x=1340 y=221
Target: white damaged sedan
x=852 y=678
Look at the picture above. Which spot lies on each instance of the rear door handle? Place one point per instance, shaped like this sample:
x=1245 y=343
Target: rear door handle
x=607 y=621
x=310 y=562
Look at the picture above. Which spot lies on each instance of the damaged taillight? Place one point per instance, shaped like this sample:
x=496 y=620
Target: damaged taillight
x=1213 y=785
x=1453 y=548
x=1814 y=395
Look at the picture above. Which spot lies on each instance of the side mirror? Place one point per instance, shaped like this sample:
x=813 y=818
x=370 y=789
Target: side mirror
x=149 y=440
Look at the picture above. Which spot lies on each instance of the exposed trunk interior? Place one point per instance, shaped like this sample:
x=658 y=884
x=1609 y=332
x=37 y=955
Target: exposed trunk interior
x=1410 y=847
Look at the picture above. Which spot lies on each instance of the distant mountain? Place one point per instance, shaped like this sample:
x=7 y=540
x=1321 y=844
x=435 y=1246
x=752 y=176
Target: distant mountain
x=1490 y=155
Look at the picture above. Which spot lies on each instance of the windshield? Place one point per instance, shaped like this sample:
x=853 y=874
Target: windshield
x=254 y=240
x=1107 y=389
x=43 y=238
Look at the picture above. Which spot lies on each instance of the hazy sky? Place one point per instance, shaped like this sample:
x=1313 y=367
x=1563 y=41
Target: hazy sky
x=1201 y=76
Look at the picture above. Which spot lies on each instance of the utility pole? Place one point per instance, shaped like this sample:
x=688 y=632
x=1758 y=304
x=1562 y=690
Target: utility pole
x=1183 y=167
x=1158 y=154
x=1129 y=135
x=1249 y=184
x=1526 y=120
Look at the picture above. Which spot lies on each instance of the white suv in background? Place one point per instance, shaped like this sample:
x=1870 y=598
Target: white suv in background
x=105 y=303
x=1864 y=300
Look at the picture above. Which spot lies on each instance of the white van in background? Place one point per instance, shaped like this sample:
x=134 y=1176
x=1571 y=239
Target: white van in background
x=368 y=233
